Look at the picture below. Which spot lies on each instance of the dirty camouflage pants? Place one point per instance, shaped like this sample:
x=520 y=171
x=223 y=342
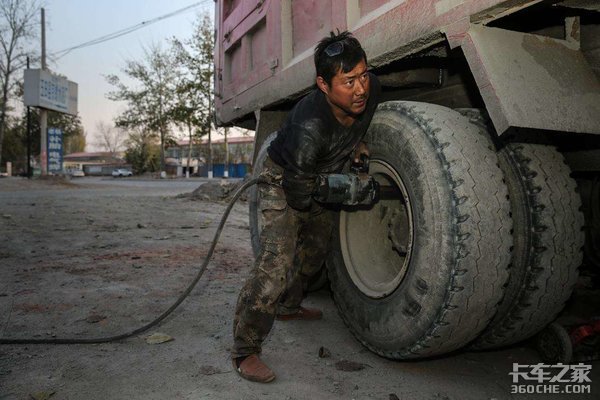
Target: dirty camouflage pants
x=294 y=245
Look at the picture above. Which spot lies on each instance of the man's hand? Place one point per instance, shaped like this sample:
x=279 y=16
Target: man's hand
x=361 y=148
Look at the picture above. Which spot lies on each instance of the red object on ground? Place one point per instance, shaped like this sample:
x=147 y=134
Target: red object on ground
x=583 y=332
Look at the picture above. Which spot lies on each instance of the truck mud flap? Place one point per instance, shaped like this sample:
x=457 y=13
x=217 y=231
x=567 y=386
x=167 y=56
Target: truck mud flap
x=532 y=81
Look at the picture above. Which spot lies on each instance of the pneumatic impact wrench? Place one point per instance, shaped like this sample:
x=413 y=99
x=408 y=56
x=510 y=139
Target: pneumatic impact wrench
x=355 y=188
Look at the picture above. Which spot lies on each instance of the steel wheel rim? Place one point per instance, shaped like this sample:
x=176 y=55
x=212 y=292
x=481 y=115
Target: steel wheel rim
x=376 y=243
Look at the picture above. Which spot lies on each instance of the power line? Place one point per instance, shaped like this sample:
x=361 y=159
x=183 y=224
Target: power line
x=60 y=54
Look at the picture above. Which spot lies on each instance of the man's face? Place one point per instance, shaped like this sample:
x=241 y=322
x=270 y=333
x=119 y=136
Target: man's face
x=348 y=92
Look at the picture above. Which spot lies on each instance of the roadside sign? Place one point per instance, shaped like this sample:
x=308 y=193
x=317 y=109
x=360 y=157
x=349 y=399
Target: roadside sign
x=46 y=90
x=55 y=150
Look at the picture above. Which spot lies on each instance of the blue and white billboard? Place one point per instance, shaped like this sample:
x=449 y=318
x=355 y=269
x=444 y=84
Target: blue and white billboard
x=55 y=150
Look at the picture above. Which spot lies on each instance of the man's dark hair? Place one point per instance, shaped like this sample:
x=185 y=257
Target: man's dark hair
x=330 y=58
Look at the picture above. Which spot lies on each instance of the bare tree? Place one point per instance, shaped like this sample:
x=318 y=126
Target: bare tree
x=110 y=138
x=17 y=29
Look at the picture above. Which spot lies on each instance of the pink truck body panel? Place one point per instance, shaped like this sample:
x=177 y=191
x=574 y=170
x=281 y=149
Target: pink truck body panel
x=264 y=55
x=264 y=47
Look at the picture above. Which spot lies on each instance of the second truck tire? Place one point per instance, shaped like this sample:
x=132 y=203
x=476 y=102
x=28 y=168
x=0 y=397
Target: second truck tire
x=548 y=238
x=548 y=241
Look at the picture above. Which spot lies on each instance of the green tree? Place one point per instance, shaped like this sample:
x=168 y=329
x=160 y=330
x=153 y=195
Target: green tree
x=192 y=109
x=148 y=105
x=15 y=144
x=75 y=142
x=17 y=30
x=143 y=151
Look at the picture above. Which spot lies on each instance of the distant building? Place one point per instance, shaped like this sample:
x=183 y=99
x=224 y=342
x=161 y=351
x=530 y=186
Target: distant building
x=240 y=157
x=98 y=163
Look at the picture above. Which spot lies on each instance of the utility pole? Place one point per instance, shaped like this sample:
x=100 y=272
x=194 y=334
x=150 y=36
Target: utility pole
x=44 y=112
x=29 y=174
x=209 y=119
x=226 y=171
x=210 y=164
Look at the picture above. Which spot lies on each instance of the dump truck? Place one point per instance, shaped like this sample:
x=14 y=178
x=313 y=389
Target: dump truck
x=489 y=127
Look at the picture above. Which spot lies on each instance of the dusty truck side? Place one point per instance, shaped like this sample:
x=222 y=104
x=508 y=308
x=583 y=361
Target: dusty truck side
x=490 y=121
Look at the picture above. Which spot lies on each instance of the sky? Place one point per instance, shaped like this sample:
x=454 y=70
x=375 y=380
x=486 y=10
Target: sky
x=73 y=22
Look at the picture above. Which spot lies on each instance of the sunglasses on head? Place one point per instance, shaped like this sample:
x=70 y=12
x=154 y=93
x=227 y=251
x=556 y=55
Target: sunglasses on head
x=334 y=49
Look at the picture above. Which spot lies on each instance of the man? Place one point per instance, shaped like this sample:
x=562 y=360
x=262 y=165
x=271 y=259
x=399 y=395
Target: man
x=320 y=134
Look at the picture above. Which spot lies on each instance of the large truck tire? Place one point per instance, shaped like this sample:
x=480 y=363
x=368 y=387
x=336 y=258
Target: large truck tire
x=548 y=239
x=423 y=276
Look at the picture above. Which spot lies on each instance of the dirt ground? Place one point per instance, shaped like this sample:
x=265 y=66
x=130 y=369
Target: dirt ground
x=94 y=257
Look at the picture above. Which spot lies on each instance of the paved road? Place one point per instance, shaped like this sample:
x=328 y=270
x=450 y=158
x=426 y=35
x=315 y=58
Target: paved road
x=102 y=186
x=149 y=186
